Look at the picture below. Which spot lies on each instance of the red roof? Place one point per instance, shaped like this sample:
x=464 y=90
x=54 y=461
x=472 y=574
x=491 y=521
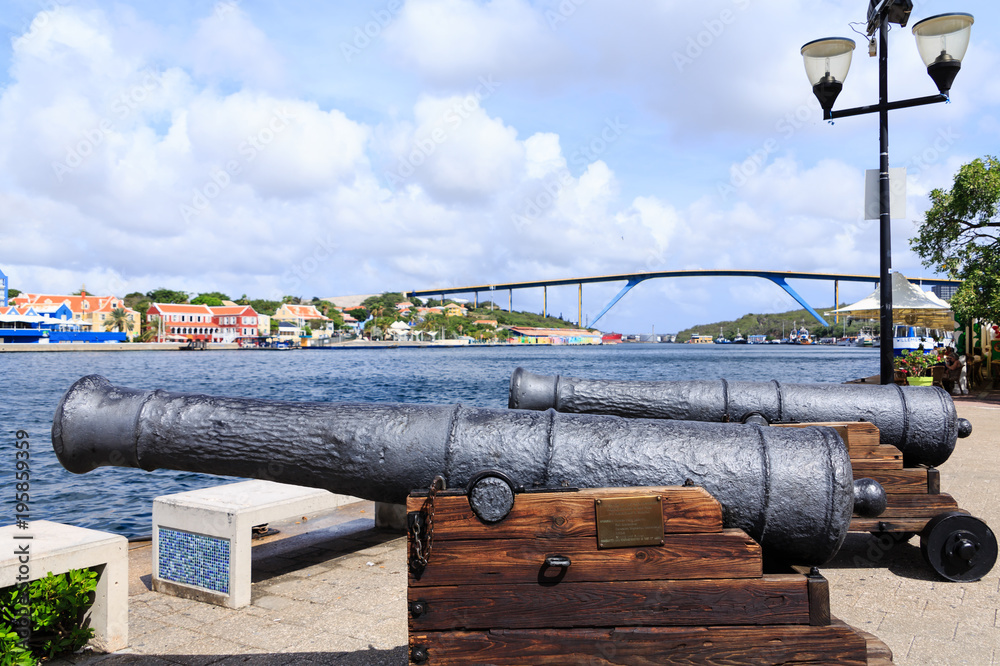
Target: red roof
x=304 y=311
x=227 y=310
x=76 y=303
x=179 y=308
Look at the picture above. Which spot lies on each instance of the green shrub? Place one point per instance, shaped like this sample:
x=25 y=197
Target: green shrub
x=57 y=605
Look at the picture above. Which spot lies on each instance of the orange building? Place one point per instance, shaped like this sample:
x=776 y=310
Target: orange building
x=177 y=322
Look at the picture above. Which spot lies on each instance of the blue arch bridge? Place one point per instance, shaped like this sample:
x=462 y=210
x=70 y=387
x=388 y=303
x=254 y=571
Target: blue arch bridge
x=779 y=278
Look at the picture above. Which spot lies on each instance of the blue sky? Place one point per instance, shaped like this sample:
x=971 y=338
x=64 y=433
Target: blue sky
x=316 y=149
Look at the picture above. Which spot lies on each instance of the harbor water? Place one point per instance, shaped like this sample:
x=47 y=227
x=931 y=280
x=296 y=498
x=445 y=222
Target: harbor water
x=120 y=500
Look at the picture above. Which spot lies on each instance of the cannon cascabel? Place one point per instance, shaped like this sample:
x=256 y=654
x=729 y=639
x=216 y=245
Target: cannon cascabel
x=790 y=489
x=918 y=420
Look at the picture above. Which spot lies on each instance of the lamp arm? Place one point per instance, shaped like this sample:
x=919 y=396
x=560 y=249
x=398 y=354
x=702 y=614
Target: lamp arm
x=874 y=108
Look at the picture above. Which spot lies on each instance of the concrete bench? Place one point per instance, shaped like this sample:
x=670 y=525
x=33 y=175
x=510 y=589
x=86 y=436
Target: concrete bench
x=59 y=548
x=201 y=538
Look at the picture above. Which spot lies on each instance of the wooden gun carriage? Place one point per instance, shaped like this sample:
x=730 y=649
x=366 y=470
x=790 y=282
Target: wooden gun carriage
x=610 y=576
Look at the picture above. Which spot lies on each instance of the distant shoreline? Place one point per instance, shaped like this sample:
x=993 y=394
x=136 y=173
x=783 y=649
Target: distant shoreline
x=106 y=346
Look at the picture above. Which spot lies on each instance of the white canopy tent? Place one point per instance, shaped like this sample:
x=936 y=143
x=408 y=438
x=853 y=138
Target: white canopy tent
x=911 y=305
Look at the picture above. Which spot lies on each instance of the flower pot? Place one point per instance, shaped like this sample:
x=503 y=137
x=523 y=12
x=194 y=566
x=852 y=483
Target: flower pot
x=919 y=381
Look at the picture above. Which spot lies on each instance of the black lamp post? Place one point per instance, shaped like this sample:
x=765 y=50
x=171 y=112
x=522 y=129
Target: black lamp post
x=942 y=41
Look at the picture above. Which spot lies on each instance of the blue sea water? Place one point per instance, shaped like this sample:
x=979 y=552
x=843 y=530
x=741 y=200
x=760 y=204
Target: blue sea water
x=120 y=500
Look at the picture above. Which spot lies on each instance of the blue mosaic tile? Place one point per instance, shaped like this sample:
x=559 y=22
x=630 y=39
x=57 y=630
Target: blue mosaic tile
x=194 y=559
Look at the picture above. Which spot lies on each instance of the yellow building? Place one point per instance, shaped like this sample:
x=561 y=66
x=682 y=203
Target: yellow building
x=455 y=310
x=89 y=311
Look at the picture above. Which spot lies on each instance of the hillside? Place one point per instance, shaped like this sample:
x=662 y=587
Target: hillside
x=776 y=325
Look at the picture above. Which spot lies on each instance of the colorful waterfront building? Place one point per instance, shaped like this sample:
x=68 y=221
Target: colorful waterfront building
x=527 y=335
x=236 y=323
x=90 y=312
x=299 y=314
x=180 y=322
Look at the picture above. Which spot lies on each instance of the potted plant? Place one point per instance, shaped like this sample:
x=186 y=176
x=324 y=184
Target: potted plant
x=915 y=366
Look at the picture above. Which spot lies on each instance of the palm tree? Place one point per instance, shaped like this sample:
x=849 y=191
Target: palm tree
x=118 y=320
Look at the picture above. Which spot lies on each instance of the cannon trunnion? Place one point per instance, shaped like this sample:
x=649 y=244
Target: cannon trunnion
x=789 y=489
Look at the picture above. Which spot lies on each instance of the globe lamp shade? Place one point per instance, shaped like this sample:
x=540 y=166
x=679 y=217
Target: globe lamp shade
x=827 y=62
x=942 y=41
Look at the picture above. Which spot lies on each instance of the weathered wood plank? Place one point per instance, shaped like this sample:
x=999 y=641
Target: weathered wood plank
x=917 y=505
x=569 y=514
x=861 y=467
x=891 y=525
x=772 y=599
x=909 y=480
x=648 y=646
x=863 y=447
x=878 y=651
x=727 y=554
x=819 y=600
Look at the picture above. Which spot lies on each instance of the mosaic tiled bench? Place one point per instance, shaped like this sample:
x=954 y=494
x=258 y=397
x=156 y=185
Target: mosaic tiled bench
x=59 y=548
x=201 y=538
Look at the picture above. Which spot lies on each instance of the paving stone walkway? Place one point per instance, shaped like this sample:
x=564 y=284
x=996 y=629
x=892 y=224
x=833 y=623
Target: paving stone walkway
x=333 y=590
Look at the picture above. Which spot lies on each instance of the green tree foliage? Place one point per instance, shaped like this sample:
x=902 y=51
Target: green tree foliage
x=117 y=321
x=960 y=235
x=384 y=305
x=334 y=314
x=264 y=307
x=212 y=298
x=167 y=296
x=137 y=301
x=11 y=292
x=358 y=313
x=776 y=324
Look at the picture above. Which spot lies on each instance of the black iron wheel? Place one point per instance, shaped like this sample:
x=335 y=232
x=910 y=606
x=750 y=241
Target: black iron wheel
x=959 y=547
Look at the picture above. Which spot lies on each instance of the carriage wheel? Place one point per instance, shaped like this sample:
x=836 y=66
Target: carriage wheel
x=959 y=547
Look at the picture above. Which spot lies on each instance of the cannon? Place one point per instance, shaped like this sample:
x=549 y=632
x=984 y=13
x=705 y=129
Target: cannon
x=917 y=428
x=790 y=489
x=919 y=421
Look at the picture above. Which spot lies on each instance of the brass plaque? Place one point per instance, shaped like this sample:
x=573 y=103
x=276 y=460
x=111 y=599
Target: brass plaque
x=629 y=521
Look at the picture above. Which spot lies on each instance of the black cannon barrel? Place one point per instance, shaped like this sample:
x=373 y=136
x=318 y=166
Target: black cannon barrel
x=920 y=421
x=790 y=489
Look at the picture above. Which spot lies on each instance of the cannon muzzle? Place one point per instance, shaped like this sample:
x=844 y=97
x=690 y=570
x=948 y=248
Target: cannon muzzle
x=920 y=421
x=789 y=488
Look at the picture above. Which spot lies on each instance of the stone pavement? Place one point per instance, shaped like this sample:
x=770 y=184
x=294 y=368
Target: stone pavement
x=333 y=590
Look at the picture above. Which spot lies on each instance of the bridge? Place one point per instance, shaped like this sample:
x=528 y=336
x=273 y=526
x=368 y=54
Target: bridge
x=779 y=278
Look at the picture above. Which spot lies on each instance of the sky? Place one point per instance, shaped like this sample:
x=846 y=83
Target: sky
x=325 y=149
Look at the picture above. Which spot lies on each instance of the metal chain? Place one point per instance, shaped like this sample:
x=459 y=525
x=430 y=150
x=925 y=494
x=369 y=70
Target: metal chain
x=421 y=548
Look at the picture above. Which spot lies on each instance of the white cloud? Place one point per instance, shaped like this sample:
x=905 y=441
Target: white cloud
x=189 y=161
x=227 y=45
x=452 y=42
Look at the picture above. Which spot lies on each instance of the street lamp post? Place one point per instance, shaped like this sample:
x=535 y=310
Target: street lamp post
x=942 y=41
